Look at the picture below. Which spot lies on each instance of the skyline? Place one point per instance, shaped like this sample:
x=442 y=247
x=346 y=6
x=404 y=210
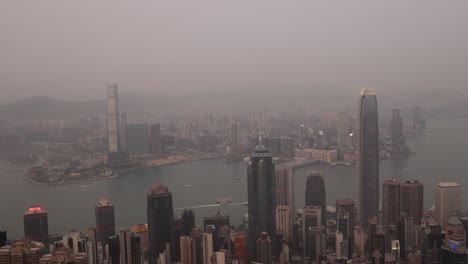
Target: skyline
x=77 y=49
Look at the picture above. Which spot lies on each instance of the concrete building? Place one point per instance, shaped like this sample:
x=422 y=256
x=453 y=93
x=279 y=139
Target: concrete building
x=412 y=200
x=447 y=200
x=105 y=220
x=36 y=227
x=315 y=194
x=368 y=156
x=113 y=118
x=160 y=221
x=343 y=129
x=261 y=198
x=138 y=140
x=391 y=202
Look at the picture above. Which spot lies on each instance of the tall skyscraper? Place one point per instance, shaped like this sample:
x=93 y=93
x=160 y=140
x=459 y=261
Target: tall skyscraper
x=261 y=197
x=284 y=221
x=114 y=250
x=138 y=140
x=36 y=227
x=311 y=218
x=130 y=252
x=155 y=140
x=188 y=221
x=264 y=249
x=187 y=250
x=160 y=221
x=197 y=238
x=207 y=247
x=343 y=129
x=105 y=221
x=368 y=156
x=315 y=194
x=412 y=200
x=447 y=200
x=113 y=118
x=396 y=127
x=285 y=187
x=391 y=202
x=212 y=224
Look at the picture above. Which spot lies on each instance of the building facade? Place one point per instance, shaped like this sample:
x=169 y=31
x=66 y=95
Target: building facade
x=138 y=140
x=315 y=194
x=113 y=118
x=36 y=227
x=105 y=220
x=447 y=200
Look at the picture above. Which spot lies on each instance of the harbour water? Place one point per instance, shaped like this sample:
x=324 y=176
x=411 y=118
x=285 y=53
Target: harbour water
x=440 y=156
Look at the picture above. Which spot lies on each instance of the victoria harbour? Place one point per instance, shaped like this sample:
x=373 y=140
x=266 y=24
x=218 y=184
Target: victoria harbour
x=438 y=156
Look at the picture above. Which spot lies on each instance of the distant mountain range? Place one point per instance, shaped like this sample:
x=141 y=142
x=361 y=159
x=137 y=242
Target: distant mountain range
x=439 y=101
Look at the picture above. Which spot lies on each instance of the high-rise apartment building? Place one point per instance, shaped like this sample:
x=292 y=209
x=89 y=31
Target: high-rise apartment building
x=343 y=129
x=391 y=202
x=130 y=252
x=315 y=194
x=368 y=156
x=113 y=118
x=36 y=227
x=155 y=140
x=138 y=140
x=105 y=220
x=160 y=221
x=412 y=200
x=447 y=200
x=261 y=197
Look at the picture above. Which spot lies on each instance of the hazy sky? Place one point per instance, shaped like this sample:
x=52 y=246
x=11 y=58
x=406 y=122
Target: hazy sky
x=72 y=49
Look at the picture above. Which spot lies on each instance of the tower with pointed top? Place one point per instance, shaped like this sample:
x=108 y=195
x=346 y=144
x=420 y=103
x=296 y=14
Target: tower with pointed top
x=261 y=195
x=368 y=156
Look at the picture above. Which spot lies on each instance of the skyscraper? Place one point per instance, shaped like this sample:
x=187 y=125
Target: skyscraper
x=155 y=140
x=130 y=252
x=36 y=227
x=105 y=221
x=188 y=221
x=197 y=237
x=160 y=221
x=447 y=200
x=343 y=129
x=391 y=202
x=212 y=224
x=123 y=132
x=284 y=221
x=114 y=250
x=187 y=250
x=138 y=140
x=285 y=187
x=264 y=248
x=311 y=218
x=261 y=197
x=315 y=194
x=3 y=237
x=113 y=118
x=345 y=219
x=412 y=200
x=368 y=156
x=396 y=127
x=207 y=247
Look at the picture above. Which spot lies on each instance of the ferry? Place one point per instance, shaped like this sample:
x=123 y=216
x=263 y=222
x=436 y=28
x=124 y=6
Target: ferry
x=238 y=177
x=187 y=186
x=224 y=200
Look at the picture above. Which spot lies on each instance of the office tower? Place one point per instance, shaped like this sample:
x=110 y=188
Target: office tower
x=241 y=249
x=412 y=200
x=343 y=129
x=155 y=140
x=138 y=140
x=447 y=200
x=345 y=214
x=283 y=221
x=113 y=118
x=315 y=193
x=114 y=249
x=129 y=247
x=197 y=238
x=311 y=217
x=36 y=226
x=377 y=243
x=105 y=221
x=284 y=200
x=316 y=244
x=234 y=138
x=212 y=224
x=187 y=250
x=141 y=230
x=264 y=249
x=123 y=132
x=3 y=237
x=187 y=221
x=160 y=221
x=396 y=126
x=405 y=235
x=207 y=247
x=391 y=202
x=368 y=156
x=261 y=197
x=343 y=227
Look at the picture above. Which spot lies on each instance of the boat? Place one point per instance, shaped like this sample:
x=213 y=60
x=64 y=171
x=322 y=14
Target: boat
x=348 y=164
x=187 y=186
x=238 y=177
x=245 y=203
x=224 y=200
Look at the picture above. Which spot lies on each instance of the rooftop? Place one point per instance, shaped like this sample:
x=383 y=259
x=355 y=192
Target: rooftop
x=158 y=189
x=448 y=184
x=367 y=92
